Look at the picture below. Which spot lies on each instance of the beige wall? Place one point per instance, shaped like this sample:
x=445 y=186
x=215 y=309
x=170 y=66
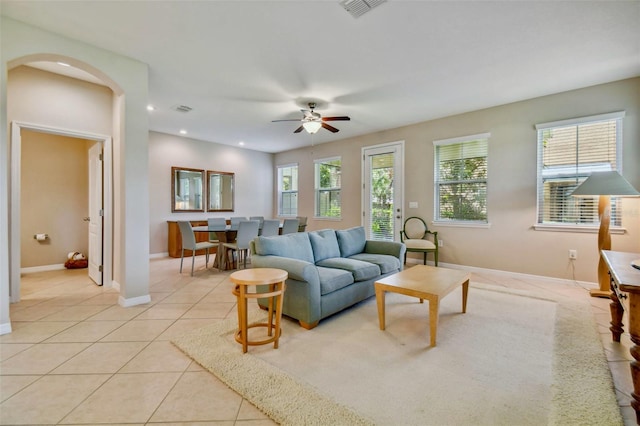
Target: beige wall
x=510 y=243
x=54 y=197
x=253 y=180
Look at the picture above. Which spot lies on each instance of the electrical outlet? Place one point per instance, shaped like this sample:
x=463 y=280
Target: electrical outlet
x=440 y=243
x=573 y=254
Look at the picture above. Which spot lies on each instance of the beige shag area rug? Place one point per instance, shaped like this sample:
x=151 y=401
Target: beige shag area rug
x=513 y=358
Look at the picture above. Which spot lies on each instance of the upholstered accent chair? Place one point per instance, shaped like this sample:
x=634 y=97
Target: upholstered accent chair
x=418 y=239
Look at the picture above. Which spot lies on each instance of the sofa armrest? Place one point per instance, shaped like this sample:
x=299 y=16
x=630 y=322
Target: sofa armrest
x=391 y=248
x=298 y=269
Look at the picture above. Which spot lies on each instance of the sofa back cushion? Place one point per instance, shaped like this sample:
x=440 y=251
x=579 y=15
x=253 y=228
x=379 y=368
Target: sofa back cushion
x=351 y=241
x=324 y=244
x=295 y=246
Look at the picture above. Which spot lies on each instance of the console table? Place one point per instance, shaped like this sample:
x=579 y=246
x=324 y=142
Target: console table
x=625 y=296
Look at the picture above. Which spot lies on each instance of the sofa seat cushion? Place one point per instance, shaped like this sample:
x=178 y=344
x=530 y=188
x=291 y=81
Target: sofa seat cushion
x=361 y=271
x=386 y=262
x=351 y=241
x=295 y=246
x=324 y=244
x=332 y=279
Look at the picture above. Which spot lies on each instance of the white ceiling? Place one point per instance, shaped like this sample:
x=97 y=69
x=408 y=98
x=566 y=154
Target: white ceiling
x=240 y=64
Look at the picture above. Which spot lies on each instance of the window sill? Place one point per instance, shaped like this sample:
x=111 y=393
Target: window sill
x=332 y=219
x=461 y=224
x=577 y=229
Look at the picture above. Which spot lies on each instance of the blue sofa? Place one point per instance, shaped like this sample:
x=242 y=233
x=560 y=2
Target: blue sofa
x=329 y=270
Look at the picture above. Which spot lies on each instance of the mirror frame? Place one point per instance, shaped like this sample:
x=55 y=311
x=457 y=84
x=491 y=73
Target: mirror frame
x=174 y=206
x=209 y=189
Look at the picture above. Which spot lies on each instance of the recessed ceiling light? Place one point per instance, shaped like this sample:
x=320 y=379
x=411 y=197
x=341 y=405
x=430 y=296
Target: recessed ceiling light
x=183 y=132
x=150 y=108
x=64 y=64
x=241 y=143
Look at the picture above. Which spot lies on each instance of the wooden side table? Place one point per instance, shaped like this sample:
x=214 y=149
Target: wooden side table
x=625 y=295
x=246 y=278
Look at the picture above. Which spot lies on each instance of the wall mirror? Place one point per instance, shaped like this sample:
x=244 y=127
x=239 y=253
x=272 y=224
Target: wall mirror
x=187 y=190
x=220 y=191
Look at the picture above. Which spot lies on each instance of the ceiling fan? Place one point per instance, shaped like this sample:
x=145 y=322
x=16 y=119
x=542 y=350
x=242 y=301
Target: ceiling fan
x=313 y=121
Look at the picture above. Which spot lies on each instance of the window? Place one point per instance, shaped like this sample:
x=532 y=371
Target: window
x=328 y=183
x=568 y=151
x=461 y=179
x=288 y=190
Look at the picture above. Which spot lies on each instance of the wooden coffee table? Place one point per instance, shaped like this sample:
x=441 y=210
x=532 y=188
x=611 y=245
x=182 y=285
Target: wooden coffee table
x=423 y=282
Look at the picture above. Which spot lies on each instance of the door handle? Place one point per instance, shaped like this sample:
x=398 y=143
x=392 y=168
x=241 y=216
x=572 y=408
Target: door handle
x=87 y=219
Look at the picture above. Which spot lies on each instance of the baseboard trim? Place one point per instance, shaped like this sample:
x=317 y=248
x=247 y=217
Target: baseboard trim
x=585 y=284
x=140 y=300
x=5 y=328
x=159 y=255
x=43 y=268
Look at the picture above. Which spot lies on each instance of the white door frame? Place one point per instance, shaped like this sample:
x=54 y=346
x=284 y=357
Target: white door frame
x=399 y=177
x=14 y=216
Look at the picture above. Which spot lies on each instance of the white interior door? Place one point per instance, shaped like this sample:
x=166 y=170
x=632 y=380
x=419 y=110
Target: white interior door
x=95 y=213
x=382 y=191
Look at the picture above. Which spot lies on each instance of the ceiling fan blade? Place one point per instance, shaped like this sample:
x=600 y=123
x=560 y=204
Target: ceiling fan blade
x=330 y=128
x=298 y=130
x=341 y=118
x=293 y=119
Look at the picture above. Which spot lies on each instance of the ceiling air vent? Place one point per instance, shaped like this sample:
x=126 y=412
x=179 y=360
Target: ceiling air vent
x=181 y=108
x=358 y=8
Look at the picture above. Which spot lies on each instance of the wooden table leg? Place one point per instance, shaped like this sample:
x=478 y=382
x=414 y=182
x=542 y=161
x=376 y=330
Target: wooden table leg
x=380 y=293
x=634 y=331
x=434 y=306
x=465 y=292
x=616 y=317
x=242 y=316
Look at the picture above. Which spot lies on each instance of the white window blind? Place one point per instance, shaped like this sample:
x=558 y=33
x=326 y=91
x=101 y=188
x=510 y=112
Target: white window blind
x=328 y=183
x=568 y=151
x=461 y=179
x=288 y=190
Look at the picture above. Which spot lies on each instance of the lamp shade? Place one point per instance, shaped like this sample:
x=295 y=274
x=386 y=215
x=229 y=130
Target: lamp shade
x=605 y=183
x=312 y=126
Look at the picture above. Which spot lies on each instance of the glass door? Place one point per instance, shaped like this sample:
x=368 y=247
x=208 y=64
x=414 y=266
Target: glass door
x=382 y=191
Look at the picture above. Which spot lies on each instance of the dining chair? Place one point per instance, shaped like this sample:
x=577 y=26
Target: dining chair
x=258 y=218
x=302 y=223
x=247 y=231
x=417 y=238
x=270 y=227
x=189 y=243
x=289 y=226
x=216 y=224
x=235 y=221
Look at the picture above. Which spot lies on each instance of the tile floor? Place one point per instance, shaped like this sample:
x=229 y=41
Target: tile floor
x=76 y=357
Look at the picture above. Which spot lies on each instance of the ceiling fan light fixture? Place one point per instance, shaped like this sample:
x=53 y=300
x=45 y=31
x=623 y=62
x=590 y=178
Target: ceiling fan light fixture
x=312 y=126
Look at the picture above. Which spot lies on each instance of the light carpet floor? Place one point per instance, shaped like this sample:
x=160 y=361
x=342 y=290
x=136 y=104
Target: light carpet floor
x=513 y=358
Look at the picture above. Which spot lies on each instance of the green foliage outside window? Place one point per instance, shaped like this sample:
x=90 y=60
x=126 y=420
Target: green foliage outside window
x=382 y=203
x=328 y=202
x=463 y=189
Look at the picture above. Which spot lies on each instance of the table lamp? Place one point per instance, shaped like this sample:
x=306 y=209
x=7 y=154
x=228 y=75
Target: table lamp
x=605 y=184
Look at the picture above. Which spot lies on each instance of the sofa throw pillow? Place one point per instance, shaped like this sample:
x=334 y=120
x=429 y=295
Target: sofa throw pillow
x=351 y=241
x=324 y=244
x=295 y=246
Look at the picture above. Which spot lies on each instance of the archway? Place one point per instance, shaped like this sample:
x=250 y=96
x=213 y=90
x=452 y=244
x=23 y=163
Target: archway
x=15 y=139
